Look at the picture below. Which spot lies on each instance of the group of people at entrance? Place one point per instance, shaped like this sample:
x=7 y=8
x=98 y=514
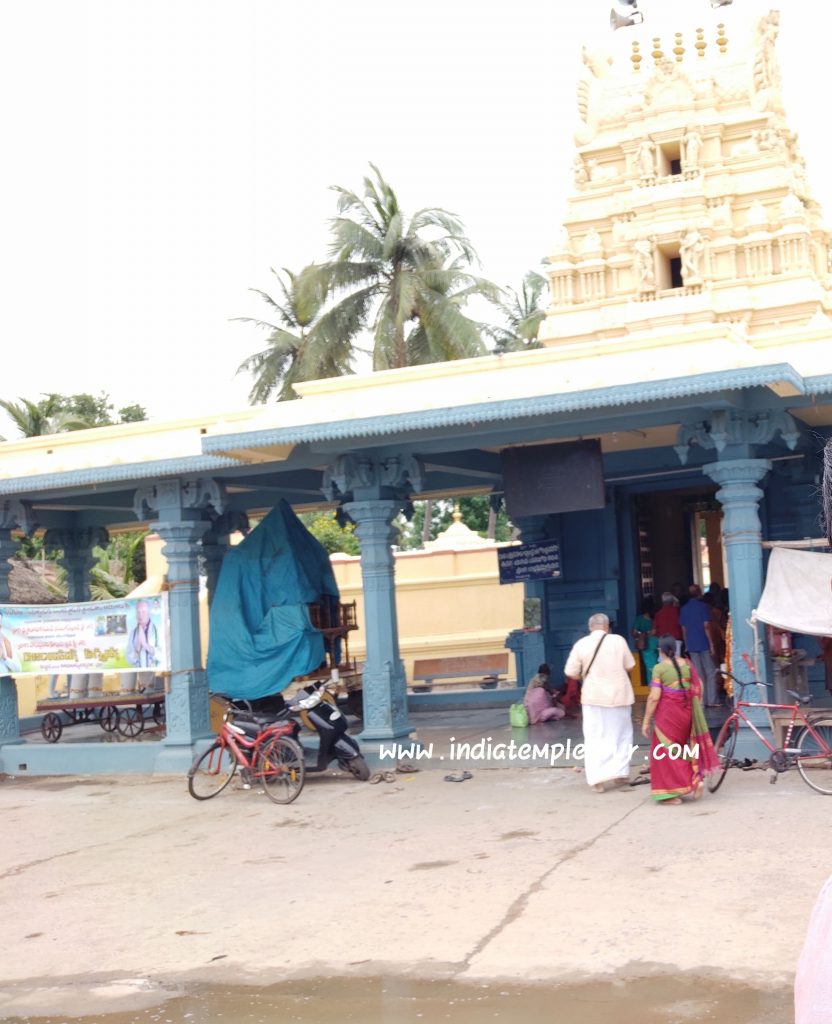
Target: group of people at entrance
x=681 y=750
x=698 y=623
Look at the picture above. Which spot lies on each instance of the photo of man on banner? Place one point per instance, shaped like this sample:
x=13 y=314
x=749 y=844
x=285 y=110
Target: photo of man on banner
x=9 y=663
x=143 y=641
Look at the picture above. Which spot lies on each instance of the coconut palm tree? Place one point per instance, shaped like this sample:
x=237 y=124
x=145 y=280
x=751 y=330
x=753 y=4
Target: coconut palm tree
x=406 y=280
x=53 y=414
x=307 y=342
x=32 y=418
x=523 y=313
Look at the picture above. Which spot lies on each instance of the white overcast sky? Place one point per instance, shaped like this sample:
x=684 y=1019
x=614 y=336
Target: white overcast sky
x=161 y=155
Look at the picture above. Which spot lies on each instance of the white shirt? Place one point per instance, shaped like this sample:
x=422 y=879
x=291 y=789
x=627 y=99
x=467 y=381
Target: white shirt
x=608 y=683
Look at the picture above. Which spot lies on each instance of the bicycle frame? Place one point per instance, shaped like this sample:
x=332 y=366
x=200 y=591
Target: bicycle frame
x=798 y=717
x=235 y=741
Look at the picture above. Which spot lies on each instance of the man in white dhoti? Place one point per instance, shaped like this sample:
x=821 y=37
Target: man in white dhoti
x=603 y=661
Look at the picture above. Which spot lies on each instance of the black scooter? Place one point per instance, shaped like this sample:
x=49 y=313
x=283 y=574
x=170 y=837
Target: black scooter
x=315 y=707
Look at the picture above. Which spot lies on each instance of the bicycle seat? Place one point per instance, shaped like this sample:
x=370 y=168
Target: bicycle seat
x=246 y=727
x=799 y=697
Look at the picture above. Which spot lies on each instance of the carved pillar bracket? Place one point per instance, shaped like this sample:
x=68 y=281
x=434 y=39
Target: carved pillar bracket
x=357 y=477
x=740 y=495
x=726 y=429
x=215 y=544
x=179 y=499
x=384 y=684
x=77 y=556
x=17 y=515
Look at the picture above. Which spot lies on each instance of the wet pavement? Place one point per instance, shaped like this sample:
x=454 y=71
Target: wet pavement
x=407 y=1001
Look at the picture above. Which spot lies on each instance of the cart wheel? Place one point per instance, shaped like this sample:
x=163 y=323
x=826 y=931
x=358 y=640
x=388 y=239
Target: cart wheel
x=108 y=718
x=130 y=721
x=159 y=713
x=51 y=727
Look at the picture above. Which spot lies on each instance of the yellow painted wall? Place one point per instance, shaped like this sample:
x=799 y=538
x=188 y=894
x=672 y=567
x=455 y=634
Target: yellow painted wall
x=449 y=603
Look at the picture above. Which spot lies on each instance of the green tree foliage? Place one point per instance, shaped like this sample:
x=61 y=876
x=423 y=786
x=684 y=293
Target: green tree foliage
x=476 y=514
x=404 y=281
x=523 y=312
x=306 y=341
x=119 y=567
x=324 y=527
x=55 y=414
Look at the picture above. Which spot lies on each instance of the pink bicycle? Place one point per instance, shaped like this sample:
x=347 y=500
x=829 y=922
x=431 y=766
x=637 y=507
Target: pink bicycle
x=809 y=749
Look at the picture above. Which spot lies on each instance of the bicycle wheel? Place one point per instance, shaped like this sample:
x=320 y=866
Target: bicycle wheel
x=814 y=762
x=726 y=743
x=281 y=769
x=211 y=772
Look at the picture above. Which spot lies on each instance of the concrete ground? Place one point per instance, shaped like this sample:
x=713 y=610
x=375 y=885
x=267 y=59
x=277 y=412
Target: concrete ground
x=113 y=886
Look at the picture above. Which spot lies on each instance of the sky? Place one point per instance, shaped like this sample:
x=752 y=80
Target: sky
x=162 y=155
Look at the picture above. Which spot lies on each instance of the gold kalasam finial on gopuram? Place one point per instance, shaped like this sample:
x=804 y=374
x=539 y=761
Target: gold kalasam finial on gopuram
x=721 y=39
x=636 y=57
x=678 y=49
x=657 y=53
x=457 y=513
x=700 y=43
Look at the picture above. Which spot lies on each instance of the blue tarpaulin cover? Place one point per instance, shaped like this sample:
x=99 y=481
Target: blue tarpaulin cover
x=261 y=635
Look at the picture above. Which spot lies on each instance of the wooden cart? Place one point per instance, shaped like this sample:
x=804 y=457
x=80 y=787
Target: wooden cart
x=122 y=713
x=336 y=623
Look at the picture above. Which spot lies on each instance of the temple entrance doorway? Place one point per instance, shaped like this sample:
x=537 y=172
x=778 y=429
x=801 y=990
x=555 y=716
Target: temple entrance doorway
x=679 y=541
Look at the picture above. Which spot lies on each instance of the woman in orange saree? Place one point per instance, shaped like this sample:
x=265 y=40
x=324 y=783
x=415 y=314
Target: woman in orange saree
x=681 y=752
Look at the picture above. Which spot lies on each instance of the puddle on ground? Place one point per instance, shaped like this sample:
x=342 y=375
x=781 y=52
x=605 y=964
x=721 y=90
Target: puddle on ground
x=408 y=1001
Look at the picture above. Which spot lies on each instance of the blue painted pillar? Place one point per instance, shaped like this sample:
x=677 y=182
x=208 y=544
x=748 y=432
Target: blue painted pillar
x=740 y=498
x=77 y=557
x=187 y=701
x=534 y=645
x=384 y=684
x=9 y=719
x=215 y=545
x=372 y=488
x=181 y=525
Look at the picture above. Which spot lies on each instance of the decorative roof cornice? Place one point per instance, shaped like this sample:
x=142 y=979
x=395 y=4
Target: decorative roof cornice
x=126 y=473
x=821 y=385
x=517 y=408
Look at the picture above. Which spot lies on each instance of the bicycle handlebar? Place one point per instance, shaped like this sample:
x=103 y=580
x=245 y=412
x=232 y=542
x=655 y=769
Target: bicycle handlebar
x=748 y=682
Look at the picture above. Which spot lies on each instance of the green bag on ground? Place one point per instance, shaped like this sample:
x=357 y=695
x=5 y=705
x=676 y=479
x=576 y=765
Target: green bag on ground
x=518 y=716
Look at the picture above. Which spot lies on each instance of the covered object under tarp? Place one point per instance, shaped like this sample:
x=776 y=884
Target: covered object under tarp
x=261 y=634
x=798 y=593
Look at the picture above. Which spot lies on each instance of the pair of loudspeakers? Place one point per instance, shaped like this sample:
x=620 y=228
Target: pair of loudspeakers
x=626 y=13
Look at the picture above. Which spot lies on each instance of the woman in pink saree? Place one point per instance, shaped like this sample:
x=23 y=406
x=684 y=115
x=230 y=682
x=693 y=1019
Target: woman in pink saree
x=681 y=752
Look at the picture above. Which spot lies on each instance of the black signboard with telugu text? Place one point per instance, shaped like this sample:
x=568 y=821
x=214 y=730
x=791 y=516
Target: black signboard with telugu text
x=539 y=560
x=541 y=479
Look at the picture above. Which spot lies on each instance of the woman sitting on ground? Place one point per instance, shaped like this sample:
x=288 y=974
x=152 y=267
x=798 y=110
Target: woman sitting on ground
x=538 y=700
x=681 y=751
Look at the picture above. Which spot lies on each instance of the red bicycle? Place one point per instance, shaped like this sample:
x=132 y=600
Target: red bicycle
x=812 y=750
x=264 y=751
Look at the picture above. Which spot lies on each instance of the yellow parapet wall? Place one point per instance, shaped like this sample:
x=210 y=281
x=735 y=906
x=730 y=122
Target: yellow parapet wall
x=448 y=603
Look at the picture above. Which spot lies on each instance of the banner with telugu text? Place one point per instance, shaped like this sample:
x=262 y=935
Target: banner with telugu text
x=126 y=635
